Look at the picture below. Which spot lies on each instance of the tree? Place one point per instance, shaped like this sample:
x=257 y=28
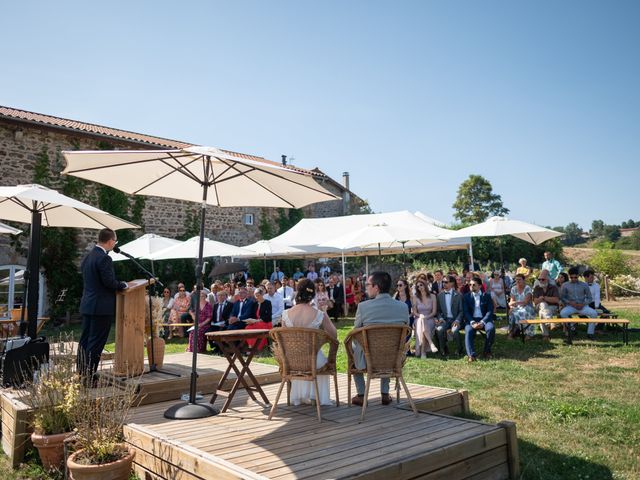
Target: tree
x=611 y=232
x=476 y=201
x=572 y=234
x=597 y=228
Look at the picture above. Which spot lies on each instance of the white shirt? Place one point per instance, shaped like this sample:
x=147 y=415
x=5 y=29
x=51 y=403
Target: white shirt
x=287 y=295
x=277 y=304
x=477 y=311
x=595 y=293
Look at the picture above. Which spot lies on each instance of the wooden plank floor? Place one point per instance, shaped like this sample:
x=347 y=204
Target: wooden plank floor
x=158 y=387
x=392 y=442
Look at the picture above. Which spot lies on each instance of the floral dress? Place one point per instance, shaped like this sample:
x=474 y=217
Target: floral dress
x=522 y=312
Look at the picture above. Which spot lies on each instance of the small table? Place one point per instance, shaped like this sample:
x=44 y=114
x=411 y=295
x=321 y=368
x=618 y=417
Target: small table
x=230 y=342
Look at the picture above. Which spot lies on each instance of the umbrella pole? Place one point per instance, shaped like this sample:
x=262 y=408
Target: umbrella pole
x=472 y=263
x=264 y=265
x=344 y=283
x=274 y=268
x=404 y=265
x=33 y=288
x=192 y=409
x=366 y=265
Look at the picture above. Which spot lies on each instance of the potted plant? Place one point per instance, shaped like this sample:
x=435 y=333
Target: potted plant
x=154 y=337
x=100 y=451
x=52 y=395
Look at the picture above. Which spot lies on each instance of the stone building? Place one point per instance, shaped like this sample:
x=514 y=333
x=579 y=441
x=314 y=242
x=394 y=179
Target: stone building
x=26 y=136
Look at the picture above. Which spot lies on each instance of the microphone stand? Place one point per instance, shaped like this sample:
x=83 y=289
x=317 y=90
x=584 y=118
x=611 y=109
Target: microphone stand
x=152 y=282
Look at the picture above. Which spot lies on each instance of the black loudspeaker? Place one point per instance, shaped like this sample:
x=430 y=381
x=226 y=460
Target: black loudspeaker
x=19 y=362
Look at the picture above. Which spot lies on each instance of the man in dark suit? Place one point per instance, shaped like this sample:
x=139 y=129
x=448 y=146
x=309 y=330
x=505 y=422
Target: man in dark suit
x=98 y=304
x=449 y=316
x=244 y=308
x=437 y=285
x=478 y=315
x=221 y=314
x=336 y=295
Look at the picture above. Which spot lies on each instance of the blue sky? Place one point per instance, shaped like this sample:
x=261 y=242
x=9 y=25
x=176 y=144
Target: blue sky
x=542 y=98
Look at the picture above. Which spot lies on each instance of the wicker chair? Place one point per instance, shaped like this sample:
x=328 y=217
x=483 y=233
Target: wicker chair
x=385 y=350
x=296 y=351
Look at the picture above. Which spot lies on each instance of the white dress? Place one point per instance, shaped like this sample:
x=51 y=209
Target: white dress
x=302 y=391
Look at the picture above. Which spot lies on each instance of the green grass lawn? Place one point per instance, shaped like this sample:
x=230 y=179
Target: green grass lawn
x=577 y=408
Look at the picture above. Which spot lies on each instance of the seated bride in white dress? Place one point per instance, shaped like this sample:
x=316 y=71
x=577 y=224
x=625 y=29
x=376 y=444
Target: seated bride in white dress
x=304 y=315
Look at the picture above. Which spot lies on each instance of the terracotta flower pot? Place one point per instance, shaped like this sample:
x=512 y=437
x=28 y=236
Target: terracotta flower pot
x=158 y=351
x=118 y=470
x=50 y=448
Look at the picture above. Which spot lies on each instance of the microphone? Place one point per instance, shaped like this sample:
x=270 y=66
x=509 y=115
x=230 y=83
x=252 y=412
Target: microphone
x=152 y=277
x=116 y=249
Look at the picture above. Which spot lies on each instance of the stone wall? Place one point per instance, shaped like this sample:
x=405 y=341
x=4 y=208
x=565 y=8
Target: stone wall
x=21 y=143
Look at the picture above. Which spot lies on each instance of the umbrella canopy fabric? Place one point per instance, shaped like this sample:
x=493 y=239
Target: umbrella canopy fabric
x=147 y=244
x=233 y=181
x=383 y=236
x=309 y=233
x=429 y=219
x=9 y=229
x=19 y=202
x=189 y=249
x=499 y=226
x=271 y=249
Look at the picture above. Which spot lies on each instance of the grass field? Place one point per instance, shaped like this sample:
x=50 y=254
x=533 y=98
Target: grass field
x=577 y=408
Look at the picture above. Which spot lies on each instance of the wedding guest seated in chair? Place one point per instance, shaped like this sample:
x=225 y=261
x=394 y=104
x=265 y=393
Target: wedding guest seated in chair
x=576 y=297
x=449 y=316
x=546 y=299
x=242 y=310
x=594 y=288
x=261 y=318
x=204 y=322
x=478 y=315
x=521 y=306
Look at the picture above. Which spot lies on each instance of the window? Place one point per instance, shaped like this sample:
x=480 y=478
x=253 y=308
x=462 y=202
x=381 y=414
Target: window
x=248 y=218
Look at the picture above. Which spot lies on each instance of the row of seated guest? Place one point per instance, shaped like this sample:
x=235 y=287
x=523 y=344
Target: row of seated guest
x=449 y=312
x=262 y=307
x=568 y=296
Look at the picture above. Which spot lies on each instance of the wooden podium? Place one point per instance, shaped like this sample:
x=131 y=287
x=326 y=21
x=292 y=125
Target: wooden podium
x=130 y=322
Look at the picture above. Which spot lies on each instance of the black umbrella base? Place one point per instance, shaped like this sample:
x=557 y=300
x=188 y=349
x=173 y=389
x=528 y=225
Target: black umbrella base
x=190 y=411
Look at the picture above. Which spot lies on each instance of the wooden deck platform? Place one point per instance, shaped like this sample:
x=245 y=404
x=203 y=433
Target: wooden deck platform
x=158 y=387
x=392 y=443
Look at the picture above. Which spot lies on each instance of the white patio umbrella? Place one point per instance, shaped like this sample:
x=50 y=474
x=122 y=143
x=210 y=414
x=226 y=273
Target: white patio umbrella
x=384 y=236
x=499 y=226
x=41 y=206
x=9 y=229
x=198 y=174
x=191 y=247
x=269 y=249
x=147 y=244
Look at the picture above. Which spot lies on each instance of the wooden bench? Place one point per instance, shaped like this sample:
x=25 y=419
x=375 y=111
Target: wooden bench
x=620 y=321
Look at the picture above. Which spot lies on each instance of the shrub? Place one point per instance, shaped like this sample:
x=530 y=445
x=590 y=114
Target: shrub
x=629 y=285
x=610 y=262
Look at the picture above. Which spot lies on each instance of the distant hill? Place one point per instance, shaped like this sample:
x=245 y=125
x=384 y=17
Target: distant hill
x=581 y=255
